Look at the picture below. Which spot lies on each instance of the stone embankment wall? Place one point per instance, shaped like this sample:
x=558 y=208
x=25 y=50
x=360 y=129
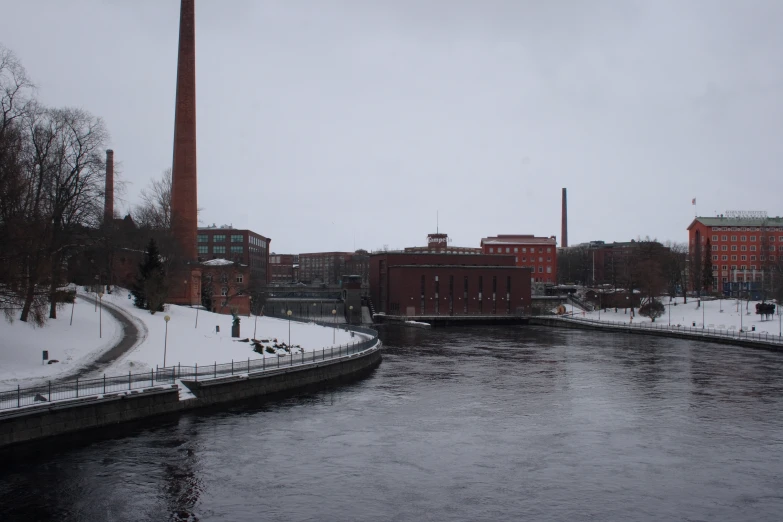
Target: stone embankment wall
x=736 y=339
x=59 y=418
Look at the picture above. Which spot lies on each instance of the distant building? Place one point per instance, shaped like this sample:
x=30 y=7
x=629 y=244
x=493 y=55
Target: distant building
x=607 y=264
x=412 y=283
x=744 y=247
x=441 y=244
x=539 y=254
x=329 y=267
x=225 y=286
x=283 y=268
x=238 y=245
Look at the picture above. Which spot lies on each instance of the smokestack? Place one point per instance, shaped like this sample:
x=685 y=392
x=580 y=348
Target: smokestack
x=564 y=222
x=108 y=204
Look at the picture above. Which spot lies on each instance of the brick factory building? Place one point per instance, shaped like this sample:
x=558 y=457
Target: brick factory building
x=283 y=268
x=330 y=267
x=227 y=285
x=241 y=246
x=439 y=243
x=745 y=246
x=430 y=284
x=537 y=253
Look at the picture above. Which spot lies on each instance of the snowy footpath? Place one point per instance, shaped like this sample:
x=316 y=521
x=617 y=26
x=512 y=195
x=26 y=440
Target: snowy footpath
x=184 y=341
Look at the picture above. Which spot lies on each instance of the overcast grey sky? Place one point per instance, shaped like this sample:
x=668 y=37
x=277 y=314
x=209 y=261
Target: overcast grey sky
x=324 y=121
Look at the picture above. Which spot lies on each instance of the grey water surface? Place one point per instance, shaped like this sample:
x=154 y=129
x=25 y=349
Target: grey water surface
x=511 y=423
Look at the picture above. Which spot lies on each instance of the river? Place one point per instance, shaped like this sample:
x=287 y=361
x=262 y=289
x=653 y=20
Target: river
x=509 y=423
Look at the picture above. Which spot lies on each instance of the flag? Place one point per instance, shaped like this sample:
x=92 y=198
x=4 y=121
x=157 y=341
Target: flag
x=693 y=201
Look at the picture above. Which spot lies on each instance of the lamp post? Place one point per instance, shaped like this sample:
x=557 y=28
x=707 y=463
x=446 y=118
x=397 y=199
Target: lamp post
x=165 y=338
x=334 y=330
x=288 y=313
x=97 y=284
x=100 y=316
x=670 y=314
x=599 y=306
x=350 y=313
x=702 y=316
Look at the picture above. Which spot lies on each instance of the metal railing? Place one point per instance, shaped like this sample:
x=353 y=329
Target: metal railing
x=54 y=391
x=696 y=332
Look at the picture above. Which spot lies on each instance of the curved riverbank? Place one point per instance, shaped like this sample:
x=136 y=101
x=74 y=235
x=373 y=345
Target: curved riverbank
x=746 y=339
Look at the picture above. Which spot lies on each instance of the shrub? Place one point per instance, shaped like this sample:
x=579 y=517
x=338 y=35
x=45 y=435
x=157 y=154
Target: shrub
x=652 y=309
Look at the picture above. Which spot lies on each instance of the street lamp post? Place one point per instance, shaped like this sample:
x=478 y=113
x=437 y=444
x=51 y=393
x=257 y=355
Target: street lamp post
x=334 y=329
x=350 y=313
x=599 y=306
x=165 y=338
x=288 y=313
x=100 y=316
x=97 y=284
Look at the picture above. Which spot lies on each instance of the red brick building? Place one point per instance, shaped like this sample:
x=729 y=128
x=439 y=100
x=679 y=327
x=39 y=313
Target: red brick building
x=419 y=284
x=743 y=246
x=241 y=246
x=283 y=268
x=539 y=254
x=330 y=267
x=227 y=284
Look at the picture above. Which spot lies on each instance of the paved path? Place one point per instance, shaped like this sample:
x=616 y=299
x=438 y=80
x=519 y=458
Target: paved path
x=130 y=336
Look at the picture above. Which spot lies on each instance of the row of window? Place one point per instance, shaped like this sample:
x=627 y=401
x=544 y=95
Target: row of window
x=533 y=259
x=743 y=229
x=221 y=238
x=219 y=249
x=743 y=258
x=516 y=250
x=540 y=269
x=743 y=248
x=745 y=238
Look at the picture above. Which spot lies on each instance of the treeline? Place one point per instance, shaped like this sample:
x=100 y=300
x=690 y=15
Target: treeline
x=52 y=177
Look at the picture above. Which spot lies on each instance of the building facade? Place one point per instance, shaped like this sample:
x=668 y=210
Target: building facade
x=441 y=244
x=225 y=286
x=744 y=248
x=539 y=254
x=241 y=246
x=283 y=268
x=426 y=284
x=329 y=267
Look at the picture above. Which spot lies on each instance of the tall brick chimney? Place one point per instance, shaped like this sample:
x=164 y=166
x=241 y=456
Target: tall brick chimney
x=184 y=200
x=564 y=222
x=108 y=202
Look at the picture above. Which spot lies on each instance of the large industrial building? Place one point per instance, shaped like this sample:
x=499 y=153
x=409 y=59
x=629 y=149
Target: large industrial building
x=418 y=283
x=539 y=254
x=238 y=245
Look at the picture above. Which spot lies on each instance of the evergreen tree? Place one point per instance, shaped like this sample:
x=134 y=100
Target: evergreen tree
x=706 y=272
x=150 y=289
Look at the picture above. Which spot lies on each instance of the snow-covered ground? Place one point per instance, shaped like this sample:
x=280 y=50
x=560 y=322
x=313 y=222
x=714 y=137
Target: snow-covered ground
x=710 y=316
x=75 y=346
x=22 y=344
x=204 y=345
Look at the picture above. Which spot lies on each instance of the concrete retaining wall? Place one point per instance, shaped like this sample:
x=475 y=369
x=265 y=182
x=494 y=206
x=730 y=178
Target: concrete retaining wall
x=50 y=420
x=692 y=336
x=60 y=418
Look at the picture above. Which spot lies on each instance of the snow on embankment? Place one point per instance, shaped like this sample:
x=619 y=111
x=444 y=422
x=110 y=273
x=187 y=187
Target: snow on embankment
x=189 y=344
x=73 y=345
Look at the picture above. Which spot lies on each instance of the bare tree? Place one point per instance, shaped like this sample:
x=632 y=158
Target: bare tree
x=154 y=212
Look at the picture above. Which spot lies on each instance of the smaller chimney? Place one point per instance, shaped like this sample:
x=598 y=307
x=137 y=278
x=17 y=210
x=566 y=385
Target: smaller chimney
x=108 y=204
x=564 y=222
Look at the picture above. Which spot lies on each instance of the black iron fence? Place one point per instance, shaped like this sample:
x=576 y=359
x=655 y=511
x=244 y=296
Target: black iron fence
x=54 y=391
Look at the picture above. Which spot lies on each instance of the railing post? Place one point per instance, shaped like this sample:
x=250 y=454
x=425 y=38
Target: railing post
x=232 y=366
x=196 y=372
x=18 y=396
x=104 y=383
x=215 y=374
x=152 y=378
x=179 y=370
x=50 y=391
x=77 y=387
x=129 y=379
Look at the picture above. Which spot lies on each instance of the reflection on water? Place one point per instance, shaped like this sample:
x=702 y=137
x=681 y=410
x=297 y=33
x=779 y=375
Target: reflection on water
x=456 y=424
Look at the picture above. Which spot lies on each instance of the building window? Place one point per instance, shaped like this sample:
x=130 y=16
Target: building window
x=219 y=238
x=743 y=258
x=715 y=238
x=236 y=238
x=752 y=258
x=714 y=248
x=508 y=250
x=203 y=238
x=548 y=250
x=541 y=269
x=752 y=248
x=743 y=248
x=240 y=278
x=771 y=258
x=516 y=259
x=752 y=238
x=771 y=248
x=714 y=258
x=524 y=249
x=733 y=258
x=549 y=270
x=540 y=250
x=725 y=267
x=540 y=259
x=743 y=238
x=517 y=249
x=219 y=249
x=491 y=250
x=724 y=238
x=733 y=248
x=752 y=267
x=724 y=248
x=203 y=249
x=237 y=249
x=224 y=291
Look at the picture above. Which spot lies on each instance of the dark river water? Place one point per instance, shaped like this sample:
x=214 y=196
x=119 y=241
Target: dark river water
x=456 y=424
